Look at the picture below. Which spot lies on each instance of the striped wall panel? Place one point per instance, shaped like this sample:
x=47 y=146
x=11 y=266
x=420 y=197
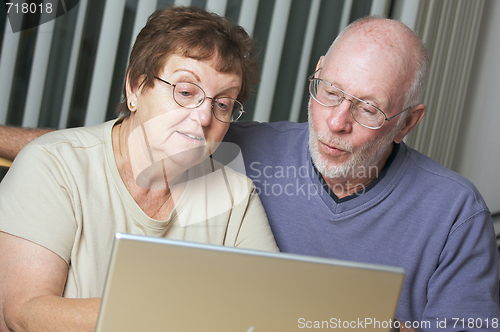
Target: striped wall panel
x=69 y=72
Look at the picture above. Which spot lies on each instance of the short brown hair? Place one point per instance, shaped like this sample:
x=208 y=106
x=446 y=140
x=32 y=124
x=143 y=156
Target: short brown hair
x=194 y=33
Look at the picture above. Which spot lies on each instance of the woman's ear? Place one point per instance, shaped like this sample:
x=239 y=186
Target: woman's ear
x=133 y=91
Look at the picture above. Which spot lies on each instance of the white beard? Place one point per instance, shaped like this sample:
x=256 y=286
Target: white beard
x=363 y=162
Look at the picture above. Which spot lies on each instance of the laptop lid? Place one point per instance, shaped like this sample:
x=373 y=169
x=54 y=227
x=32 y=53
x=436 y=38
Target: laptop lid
x=156 y=284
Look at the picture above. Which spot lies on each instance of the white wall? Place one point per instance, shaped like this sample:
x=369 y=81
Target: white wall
x=478 y=147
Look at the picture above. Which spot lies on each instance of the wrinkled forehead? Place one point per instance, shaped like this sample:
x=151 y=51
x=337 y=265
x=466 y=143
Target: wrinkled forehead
x=382 y=39
x=222 y=60
x=380 y=51
x=368 y=71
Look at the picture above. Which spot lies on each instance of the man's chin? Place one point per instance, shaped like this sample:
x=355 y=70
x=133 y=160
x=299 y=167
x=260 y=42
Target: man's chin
x=331 y=169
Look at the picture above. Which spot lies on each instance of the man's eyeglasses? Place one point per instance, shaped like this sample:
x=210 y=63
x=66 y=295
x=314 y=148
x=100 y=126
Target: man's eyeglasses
x=190 y=95
x=363 y=112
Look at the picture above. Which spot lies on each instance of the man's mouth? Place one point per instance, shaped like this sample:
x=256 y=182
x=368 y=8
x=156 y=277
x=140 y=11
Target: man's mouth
x=330 y=148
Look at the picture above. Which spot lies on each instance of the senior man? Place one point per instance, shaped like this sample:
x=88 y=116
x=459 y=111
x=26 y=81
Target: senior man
x=345 y=186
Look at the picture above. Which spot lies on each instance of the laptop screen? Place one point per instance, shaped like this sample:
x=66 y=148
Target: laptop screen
x=166 y=285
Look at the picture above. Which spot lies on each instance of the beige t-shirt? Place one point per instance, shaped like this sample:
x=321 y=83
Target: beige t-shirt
x=64 y=192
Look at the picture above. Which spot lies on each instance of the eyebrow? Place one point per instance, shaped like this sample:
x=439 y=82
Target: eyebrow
x=369 y=100
x=198 y=79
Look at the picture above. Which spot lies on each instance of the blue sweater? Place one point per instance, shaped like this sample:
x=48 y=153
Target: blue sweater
x=418 y=215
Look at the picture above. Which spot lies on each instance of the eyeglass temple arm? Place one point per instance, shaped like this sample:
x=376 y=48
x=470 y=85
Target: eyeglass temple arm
x=313 y=74
x=392 y=117
x=164 y=81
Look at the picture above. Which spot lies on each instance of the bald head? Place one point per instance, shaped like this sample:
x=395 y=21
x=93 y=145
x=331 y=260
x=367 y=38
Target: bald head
x=373 y=66
x=390 y=43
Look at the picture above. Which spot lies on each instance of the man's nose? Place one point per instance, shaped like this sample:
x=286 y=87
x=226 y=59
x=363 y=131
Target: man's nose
x=340 y=119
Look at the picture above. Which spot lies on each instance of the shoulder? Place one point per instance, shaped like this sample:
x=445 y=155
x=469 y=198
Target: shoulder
x=273 y=126
x=75 y=137
x=439 y=181
x=227 y=174
x=66 y=147
x=218 y=186
x=261 y=130
x=258 y=140
x=437 y=171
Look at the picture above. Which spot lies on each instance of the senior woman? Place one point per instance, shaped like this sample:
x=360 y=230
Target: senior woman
x=148 y=172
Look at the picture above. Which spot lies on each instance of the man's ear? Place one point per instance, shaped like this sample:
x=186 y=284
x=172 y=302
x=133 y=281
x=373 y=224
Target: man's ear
x=415 y=114
x=320 y=63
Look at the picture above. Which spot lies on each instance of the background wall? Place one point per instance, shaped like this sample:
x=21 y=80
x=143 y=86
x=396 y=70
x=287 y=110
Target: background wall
x=68 y=72
x=478 y=154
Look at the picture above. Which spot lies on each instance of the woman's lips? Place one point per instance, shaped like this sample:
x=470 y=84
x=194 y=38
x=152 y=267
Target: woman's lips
x=192 y=136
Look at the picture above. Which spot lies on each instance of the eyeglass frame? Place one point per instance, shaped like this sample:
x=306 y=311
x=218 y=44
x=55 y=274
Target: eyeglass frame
x=203 y=100
x=311 y=78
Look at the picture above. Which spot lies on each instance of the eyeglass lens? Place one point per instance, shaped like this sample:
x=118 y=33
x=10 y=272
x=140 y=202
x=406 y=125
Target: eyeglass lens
x=190 y=95
x=328 y=95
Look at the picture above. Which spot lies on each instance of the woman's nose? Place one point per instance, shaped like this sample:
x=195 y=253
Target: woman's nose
x=203 y=113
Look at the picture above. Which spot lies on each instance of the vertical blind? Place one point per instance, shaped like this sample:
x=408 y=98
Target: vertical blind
x=69 y=72
x=449 y=29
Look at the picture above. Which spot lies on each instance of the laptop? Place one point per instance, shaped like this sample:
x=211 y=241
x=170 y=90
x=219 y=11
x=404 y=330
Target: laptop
x=156 y=284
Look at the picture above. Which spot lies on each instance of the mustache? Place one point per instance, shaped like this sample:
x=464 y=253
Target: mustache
x=326 y=138
x=334 y=141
